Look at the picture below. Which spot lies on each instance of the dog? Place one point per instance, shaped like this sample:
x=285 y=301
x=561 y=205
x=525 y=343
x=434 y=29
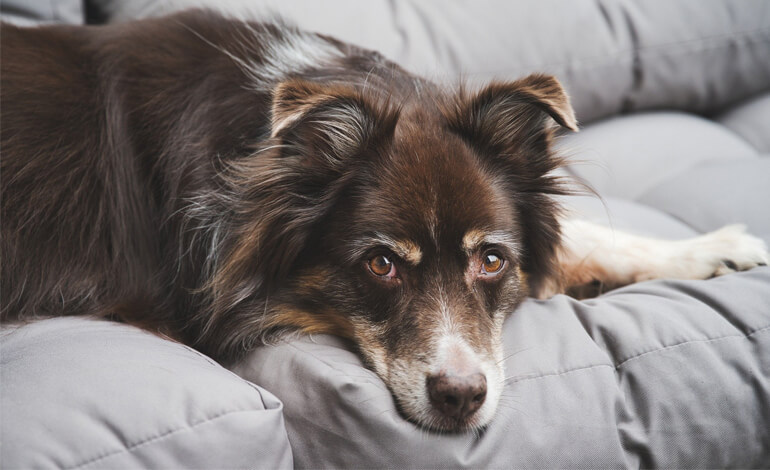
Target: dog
x=225 y=183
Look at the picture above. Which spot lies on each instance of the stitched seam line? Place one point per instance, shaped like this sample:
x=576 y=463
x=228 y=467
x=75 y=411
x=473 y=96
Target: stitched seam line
x=555 y=374
x=707 y=340
x=616 y=367
x=152 y=439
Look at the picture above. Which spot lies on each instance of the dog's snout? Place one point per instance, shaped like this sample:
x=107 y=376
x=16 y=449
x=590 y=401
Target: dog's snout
x=457 y=396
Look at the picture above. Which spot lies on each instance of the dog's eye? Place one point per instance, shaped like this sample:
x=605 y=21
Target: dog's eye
x=492 y=264
x=382 y=266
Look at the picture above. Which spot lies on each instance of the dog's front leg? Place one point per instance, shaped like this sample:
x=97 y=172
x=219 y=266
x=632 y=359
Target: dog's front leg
x=593 y=258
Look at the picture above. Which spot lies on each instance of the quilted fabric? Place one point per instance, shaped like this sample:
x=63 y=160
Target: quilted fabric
x=661 y=374
x=78 y=393
x=29 y=12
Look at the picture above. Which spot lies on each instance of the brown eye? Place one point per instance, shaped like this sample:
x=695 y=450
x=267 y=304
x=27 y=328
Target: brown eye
x=492 y=264
x=382 y=266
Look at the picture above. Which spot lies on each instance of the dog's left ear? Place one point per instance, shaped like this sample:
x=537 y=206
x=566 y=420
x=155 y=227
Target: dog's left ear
x=507 y=115
x=510 y=125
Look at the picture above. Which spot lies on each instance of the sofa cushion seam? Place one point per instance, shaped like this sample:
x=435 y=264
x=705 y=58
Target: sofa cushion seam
x=624 y=361
x=152 y=439
x=555 y=374
x=697 y=45
x=693 y=341
x=709 y=43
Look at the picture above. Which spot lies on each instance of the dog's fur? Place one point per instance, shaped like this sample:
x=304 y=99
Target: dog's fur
x=224 y=182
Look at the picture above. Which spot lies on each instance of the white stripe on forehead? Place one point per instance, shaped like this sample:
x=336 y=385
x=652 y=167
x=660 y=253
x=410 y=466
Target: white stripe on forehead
x=474 y=239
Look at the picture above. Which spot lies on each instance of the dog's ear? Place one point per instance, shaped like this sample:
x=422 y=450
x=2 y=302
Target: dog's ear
x=328 y=124
x=321 y=135
x=506 y=115
x=510 y=126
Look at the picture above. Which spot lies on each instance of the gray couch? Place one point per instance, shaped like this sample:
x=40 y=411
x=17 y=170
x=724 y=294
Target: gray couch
x=674 y=98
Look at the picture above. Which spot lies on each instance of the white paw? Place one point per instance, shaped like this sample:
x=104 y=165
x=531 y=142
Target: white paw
x=724 y=251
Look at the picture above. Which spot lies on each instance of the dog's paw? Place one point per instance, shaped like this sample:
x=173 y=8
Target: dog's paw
x=724 y=251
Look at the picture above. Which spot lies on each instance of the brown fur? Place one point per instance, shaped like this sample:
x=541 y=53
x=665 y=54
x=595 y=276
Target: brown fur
x=171 y=174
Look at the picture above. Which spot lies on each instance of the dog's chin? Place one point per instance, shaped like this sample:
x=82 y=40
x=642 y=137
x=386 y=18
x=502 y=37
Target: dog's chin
x=434 y=421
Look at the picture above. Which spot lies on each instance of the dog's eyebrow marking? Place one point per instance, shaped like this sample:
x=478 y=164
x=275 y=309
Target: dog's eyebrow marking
x=405 y=249
x=474 y=239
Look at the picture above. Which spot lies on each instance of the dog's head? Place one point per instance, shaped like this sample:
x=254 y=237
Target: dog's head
x=412 y=230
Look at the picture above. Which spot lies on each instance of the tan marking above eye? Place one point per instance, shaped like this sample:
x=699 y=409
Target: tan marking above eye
x=404 y=249
x=408 y=251
x=472 y=239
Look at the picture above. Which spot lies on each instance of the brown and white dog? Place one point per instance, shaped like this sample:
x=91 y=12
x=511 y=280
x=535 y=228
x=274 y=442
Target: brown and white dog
x=225 y=182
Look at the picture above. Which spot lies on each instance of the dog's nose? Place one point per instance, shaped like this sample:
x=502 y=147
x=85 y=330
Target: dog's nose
x=457 y=396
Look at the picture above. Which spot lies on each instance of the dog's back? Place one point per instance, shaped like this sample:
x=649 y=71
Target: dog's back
x=59 y=246
x=106 y=132
x=111 y=135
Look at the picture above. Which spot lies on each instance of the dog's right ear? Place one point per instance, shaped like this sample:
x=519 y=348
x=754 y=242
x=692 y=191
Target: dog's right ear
x=278 y=195
x=328 y=124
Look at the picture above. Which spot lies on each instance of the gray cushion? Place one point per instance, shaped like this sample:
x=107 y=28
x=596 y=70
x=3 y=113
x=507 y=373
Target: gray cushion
x=630 y=216
x=694 y=170
x=80 y=393
x=665 y=373
x=29 y=12
x=698 y=55
x=750 y=121
x=627 y=156
x=716 y=194
x=613 y=55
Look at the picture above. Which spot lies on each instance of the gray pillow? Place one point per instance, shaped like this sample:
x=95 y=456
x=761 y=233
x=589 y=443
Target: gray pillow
x=668 y=374
x=628 y=156
x=751 y=120
x=738 y=192
x=613 y=55
x=81 y=393
x=30 y=12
